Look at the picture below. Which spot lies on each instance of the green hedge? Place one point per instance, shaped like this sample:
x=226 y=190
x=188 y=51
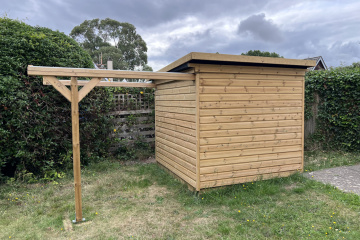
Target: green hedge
x=35 y=120
x=338 y=120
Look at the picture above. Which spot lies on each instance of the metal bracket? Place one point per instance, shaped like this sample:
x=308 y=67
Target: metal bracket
x=74 y=221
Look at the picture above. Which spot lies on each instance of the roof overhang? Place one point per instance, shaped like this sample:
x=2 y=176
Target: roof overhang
x=242 y=60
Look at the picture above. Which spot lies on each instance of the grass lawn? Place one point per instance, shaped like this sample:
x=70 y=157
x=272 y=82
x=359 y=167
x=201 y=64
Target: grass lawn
x=142 y=201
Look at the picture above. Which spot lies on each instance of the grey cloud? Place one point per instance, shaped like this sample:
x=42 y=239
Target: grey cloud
x=314 y=34
x=260 y=28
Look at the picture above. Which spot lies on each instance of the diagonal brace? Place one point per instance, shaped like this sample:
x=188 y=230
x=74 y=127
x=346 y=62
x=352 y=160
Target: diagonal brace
x=88 y=87
x=58 y=86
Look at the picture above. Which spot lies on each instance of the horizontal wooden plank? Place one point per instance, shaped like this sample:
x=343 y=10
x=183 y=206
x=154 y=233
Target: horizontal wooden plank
x=249 y=158
x=213 y=68
x=247 y=152
x=176 y=109
x=176 y=165
x=177 y=141
x=185 y=124
x=182 y=136
x=174 y=170
x=218 y=148
x=247 y=118
x=178 y=116
x=137 y=126
x=104 y=73
x=245 y=89
x=176 y=128
x=239 y=111
x=137 y=119
x=232 y=181
x=176 y=146
x=179 y=161
x=251 y=104
x=184 y=104
x=107 y=84
x=250 y=83
x=175 y=152
x=251 y=131
x=239 y=125
x=178 y=97
x=134 y=134
x=251 y=165
x=175 y=84
x=159 y=82
x=242 y=97
x=175 y=91
x=251 y=77
x=251 y=172
x=128 y=112
x=250 y=138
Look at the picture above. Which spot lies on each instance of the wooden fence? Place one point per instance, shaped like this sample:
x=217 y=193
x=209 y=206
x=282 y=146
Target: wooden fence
x=134 y=118
x=310 y=124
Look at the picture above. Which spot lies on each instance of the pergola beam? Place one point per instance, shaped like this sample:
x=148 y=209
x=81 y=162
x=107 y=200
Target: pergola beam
x=103 y=83
x=102 y=73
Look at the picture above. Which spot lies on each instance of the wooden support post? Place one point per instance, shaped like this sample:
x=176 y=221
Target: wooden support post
x=76 y=147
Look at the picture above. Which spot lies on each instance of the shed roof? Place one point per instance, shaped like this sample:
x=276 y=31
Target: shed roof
x=227 y=59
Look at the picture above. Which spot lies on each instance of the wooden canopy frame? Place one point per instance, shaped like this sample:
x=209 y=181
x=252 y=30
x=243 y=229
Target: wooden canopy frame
x=74 y=96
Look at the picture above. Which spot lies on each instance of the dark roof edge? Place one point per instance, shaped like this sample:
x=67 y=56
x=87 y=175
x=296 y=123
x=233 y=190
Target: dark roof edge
x=185 y=66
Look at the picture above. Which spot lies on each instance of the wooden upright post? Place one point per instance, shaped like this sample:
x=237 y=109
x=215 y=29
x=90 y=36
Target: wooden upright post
x=76 y=147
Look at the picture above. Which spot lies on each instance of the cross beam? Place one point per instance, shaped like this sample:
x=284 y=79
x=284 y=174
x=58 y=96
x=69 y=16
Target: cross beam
x=73 y=94
x=103 y=73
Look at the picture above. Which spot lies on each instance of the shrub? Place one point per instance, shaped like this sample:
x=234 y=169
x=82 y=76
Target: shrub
x=338 y=120
x=35 y=120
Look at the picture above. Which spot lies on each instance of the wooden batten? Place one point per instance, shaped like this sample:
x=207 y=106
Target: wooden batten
x=103 y=73
x=250 y=104
x=210 y=68
x=238 y=180
x=250 y=83
x=102 y=83
x=232 y=161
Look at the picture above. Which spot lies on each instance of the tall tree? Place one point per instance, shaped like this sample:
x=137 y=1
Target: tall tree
x=262 y=54
x=116 y=40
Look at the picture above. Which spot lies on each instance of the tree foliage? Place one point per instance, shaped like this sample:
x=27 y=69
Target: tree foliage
x=338 y=120
x=35 y=120
x=261 y=54
x=116 y=40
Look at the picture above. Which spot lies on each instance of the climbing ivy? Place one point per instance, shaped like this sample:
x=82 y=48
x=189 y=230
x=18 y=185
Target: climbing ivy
x=338 y=120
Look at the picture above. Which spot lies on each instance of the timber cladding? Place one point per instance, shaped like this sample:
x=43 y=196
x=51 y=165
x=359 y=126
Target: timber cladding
x=234 y=123
x=175 y=117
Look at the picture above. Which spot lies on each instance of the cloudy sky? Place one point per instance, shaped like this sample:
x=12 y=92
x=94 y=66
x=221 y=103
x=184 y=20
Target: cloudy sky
x=172 y=28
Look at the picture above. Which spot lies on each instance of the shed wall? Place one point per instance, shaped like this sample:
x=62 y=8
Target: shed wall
x=175 y=117
x=251 y=123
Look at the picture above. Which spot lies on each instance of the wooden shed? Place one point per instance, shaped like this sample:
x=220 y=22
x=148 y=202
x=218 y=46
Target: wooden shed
x=241 y=120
